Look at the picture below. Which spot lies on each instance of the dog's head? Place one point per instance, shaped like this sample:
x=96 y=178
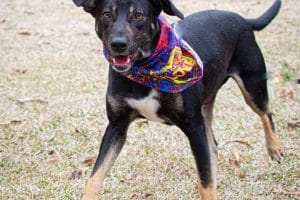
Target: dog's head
x=129 y=29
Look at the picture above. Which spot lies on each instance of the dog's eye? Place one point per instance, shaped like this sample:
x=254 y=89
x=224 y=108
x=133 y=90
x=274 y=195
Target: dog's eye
x=107 y=14
x=139 y=16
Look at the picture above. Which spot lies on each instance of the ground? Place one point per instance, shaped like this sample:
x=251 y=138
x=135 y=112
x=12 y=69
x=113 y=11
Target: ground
x=52 y=112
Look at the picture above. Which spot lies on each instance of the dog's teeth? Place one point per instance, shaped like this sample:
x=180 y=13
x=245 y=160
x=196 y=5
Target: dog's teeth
x=128 y=60
x=121 y=60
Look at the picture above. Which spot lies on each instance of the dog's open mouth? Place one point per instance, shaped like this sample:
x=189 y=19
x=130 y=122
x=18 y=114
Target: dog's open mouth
x=122 y=63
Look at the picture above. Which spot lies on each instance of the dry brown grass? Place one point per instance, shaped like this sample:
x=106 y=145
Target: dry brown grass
x=52 y=112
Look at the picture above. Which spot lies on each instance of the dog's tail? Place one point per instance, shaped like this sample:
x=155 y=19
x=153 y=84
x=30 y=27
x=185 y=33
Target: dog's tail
x=262 y=21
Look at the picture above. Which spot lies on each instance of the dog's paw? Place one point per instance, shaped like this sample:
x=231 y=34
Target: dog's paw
x=275 y=149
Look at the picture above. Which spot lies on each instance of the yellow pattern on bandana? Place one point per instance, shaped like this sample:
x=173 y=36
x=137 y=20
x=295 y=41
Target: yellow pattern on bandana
x=179 y=65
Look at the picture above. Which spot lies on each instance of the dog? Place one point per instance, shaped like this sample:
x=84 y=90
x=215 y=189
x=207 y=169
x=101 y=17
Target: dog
x=130 y=31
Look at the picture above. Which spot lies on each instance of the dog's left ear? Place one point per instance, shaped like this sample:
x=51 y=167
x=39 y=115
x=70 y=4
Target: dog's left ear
x=85 y=3
x=88 y=5
x=168 y=7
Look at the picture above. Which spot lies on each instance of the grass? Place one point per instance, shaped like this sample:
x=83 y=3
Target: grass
x=52 y=113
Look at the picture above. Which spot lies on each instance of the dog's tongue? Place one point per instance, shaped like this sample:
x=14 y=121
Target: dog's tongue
x=121 y=60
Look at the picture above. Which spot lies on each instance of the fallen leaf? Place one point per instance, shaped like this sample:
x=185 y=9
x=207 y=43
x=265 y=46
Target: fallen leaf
x=286 y=94
x=12 y=122
x=76 y=174
x=51 y=152
x=16 y=121
x=127 y=181
x=236 y=157
x=241 y=174
x=141 y=196
x=25 y=33
x=147 y=195
x=290 y=94
x=134 y=197
x=40 y=101
x=294 y=124
x=21 y=71
x=234 y=141
x=77 y=130
x=89 y=162
x=86 y=33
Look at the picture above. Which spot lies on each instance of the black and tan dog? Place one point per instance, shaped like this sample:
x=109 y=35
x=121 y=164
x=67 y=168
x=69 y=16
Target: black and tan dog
x=129 y=30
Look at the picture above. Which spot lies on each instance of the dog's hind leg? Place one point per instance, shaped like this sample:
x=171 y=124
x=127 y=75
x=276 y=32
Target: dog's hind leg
x=255 y=94
x=250 y=75
x=111 y=146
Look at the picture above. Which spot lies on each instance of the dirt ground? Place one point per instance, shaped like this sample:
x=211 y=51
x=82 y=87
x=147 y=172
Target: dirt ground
x=52 y=112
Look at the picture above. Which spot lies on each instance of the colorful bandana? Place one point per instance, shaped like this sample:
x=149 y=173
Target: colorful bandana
x=172 y=68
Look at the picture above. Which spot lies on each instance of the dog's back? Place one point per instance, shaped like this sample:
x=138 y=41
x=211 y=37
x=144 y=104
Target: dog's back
x=215 y=36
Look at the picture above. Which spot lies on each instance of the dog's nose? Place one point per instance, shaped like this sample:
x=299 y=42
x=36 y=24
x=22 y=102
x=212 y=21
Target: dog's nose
x=119 y=44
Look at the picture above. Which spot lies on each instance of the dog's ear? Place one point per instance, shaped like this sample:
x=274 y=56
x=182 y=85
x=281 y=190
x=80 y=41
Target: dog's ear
x=168 y=7
x=88 y=5
x=85 y=3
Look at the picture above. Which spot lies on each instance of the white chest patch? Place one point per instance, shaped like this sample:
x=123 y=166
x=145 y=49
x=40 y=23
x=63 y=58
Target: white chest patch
x=147 y=106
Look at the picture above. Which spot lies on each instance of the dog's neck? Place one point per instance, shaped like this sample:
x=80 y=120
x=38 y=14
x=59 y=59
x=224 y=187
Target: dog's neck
x=156 y=34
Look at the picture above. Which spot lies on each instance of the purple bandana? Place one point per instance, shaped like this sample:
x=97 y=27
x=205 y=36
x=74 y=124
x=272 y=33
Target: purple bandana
x=172 y=68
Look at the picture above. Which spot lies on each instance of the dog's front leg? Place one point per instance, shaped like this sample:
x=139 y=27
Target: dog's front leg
x=200 y=145
x=112 y=143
